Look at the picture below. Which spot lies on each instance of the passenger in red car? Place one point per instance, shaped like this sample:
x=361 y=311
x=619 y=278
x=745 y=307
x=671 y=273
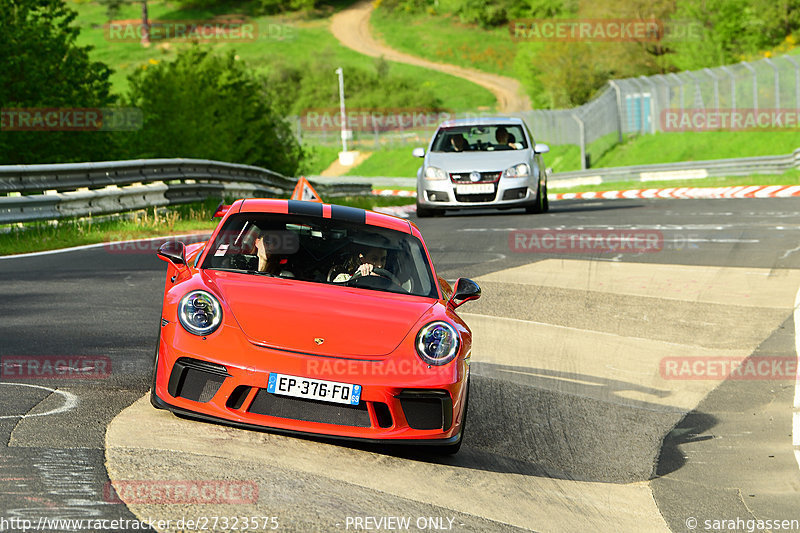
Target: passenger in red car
x=267 y=262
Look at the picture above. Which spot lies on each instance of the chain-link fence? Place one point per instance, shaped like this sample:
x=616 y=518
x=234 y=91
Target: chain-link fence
x=747 y=95
x=727 y=97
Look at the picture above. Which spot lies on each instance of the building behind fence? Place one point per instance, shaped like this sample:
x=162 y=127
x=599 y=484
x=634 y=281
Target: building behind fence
x=630 y=106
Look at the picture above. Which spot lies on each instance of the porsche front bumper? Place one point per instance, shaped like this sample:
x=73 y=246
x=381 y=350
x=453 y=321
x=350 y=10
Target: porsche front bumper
x=224 y=378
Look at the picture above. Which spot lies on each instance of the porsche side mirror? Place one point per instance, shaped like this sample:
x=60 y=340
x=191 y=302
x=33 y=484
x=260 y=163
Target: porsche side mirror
x=418 y=152
x=465 y=290
x=174 y=252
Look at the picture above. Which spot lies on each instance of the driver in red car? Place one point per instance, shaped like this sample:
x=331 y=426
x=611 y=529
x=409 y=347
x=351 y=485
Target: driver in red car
x=368 y=260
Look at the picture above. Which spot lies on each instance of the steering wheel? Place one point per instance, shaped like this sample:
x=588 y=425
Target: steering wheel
x=381 y=272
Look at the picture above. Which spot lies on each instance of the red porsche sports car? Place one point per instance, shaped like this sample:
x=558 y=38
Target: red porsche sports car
x=316 y=319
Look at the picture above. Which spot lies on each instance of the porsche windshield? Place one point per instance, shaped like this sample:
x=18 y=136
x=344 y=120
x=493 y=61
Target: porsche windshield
x=322 y=251
x=484 y=138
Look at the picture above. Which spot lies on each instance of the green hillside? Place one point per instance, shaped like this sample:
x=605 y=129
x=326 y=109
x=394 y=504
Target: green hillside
x=288 y=39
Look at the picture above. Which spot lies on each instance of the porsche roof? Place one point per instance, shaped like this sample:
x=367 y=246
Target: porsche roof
x=316 y=209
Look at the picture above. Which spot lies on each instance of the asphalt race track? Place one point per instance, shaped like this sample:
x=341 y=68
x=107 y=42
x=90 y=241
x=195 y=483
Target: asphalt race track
x=588 y=411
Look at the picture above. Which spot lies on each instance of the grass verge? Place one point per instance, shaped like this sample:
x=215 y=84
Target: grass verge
x=697 y=146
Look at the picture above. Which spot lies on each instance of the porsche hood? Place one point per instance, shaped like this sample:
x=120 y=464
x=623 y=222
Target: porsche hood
x=320 y=319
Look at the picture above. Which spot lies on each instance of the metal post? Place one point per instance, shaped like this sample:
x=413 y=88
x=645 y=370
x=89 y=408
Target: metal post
x=680 y=81
x=716 y=86
x=698 y=96
x=375 y=131
x=619 y=109
x=749 y=67
x=342 y=115
x=667 y=97
x=733 y=87
x=582 y=139
x=791 y=60
x=777 y=103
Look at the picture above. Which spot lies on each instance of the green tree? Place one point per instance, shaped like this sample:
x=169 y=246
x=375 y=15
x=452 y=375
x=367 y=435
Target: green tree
x=732 y=30
x=210 y=106
x=44 y=67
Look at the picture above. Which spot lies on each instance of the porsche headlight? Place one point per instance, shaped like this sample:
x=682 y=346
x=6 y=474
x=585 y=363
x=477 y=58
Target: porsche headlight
x=437 y=343
x=435 y=173
x=518 y=171
x=199 y=312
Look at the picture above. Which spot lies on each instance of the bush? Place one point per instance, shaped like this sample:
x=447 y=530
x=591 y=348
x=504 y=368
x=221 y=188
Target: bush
x=209 y=106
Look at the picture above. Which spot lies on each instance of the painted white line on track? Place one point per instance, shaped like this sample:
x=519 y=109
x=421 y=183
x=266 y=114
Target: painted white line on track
x=797 y=348
x=98 y=245
x=796 y=429
x=796 y=404
x=70 y=401
x=787 y=253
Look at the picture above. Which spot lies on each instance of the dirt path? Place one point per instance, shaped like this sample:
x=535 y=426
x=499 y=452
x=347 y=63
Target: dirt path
x=351 y=28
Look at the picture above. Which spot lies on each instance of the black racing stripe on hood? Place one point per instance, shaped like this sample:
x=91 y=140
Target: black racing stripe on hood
x=297 y=207
x=348 y=214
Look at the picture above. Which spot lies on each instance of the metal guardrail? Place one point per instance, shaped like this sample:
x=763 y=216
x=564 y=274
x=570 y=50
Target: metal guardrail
x=87 y=189
x=742 y=166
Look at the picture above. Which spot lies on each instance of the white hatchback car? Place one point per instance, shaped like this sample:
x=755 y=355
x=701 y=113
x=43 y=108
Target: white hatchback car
x=484 y=162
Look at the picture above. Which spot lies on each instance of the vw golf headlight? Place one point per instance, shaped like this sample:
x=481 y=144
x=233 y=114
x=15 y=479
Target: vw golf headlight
x=435 y=173
x=518 y=171
x=199 y=312
x=437 y=343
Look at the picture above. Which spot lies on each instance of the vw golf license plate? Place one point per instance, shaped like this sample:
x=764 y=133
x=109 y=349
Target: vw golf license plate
x=314 y=389
x=475 y=188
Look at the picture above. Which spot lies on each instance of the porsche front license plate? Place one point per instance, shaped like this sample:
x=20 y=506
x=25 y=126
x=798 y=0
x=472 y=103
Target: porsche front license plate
x=314 y=389
x=476 y=188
